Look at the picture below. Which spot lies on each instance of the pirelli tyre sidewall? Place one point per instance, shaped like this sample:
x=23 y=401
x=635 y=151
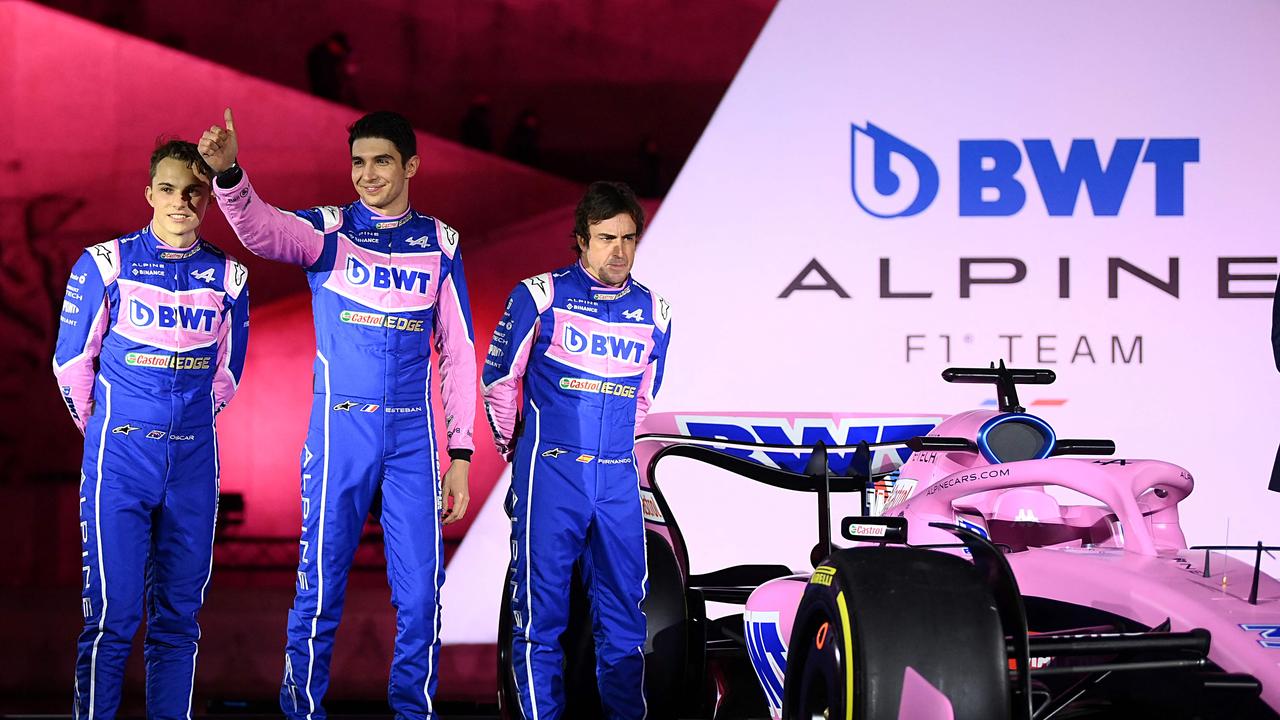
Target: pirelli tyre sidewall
x=870 y=614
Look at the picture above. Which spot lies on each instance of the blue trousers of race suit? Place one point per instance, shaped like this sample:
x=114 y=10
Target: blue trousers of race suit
x=148 y=504
x=355 y=451
x=562 y=509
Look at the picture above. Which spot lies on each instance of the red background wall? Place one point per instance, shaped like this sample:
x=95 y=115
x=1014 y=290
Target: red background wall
x=83 y=107
x=601 y=74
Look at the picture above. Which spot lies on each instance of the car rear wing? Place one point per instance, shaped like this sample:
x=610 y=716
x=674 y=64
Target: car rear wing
x=713 y=452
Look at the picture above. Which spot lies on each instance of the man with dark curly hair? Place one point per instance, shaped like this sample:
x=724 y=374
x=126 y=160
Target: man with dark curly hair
x=589 y=345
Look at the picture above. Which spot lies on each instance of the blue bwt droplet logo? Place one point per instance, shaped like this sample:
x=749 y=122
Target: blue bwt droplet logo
x=889 y=178
x=140 y=314
x=357 y=272
x=574 y=340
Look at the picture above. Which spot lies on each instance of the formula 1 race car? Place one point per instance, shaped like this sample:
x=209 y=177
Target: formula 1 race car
x=989 y=575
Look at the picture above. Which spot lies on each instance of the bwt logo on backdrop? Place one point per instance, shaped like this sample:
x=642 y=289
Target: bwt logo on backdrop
x=892 y=178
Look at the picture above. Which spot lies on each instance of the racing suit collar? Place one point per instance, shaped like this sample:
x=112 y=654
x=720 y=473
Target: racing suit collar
x=366 y=216
x=161 y=250
x=600 y=291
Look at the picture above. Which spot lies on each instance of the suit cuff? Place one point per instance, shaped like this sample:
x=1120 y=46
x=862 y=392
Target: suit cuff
x=229 y=178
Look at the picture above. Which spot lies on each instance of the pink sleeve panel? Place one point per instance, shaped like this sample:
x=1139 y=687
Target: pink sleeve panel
x=77 y=375
x=82 y=326
x=233 y=336
x=644 y=394
x=502 y=396
x=457 y=365
x=509 y=352
x=270 y=232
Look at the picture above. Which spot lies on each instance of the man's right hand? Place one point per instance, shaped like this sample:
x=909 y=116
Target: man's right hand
x=218 y=145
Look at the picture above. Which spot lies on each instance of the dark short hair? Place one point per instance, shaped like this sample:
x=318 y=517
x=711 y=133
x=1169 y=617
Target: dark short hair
x=386 y=125
x=180 y=150
x=603 y=200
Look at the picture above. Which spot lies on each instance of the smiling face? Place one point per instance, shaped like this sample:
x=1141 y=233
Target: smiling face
x=611 y=250
x=179 y=198
x=380 y=177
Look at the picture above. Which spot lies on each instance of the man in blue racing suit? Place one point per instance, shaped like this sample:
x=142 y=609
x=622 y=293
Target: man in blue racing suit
x=151 y=346
x=386 y=281
x=589 y=344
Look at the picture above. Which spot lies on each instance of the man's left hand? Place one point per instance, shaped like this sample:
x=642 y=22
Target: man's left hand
x=456 y=494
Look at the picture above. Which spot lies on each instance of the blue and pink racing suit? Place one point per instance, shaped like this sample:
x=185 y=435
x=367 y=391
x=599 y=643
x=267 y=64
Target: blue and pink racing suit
x=151 y=346
x=591 y=359
x=381 y=288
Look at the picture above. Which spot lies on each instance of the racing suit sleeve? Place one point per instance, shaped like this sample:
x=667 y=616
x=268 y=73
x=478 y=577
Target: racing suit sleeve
x=455 y=344
x=270 y=232
x=505 y=363
x=233 y=337
x=651 y=381
x=81 y=327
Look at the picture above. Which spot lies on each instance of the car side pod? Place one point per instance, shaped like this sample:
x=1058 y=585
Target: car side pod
x=1157 y=650
x=1258 y=549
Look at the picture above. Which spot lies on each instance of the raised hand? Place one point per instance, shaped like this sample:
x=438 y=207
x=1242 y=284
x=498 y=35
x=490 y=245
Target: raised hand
x=218 y=145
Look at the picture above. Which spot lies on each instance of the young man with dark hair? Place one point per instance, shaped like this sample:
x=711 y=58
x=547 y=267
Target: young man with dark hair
x=589 y=345
x=151 y=346
x=384 y=280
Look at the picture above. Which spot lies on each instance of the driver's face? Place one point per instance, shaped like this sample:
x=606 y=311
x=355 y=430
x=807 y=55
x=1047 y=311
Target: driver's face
x=379 y=175
x=179 y=198
x=611 y=250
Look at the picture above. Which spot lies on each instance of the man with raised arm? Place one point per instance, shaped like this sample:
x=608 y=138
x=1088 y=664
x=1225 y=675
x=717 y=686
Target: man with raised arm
x=151 y=347
x=386 y=280
x=588 y=344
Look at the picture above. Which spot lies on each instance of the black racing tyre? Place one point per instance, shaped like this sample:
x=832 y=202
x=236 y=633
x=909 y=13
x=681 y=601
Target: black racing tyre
x=869 y=614
x=508 y=697
x=666 y=648
x=666 y=645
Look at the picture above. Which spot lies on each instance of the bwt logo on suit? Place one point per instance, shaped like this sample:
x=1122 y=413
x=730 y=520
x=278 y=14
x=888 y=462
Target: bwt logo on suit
x=892 y=178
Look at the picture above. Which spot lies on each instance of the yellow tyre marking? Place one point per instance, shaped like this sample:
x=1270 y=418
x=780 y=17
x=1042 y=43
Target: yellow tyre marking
x=848 y=655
